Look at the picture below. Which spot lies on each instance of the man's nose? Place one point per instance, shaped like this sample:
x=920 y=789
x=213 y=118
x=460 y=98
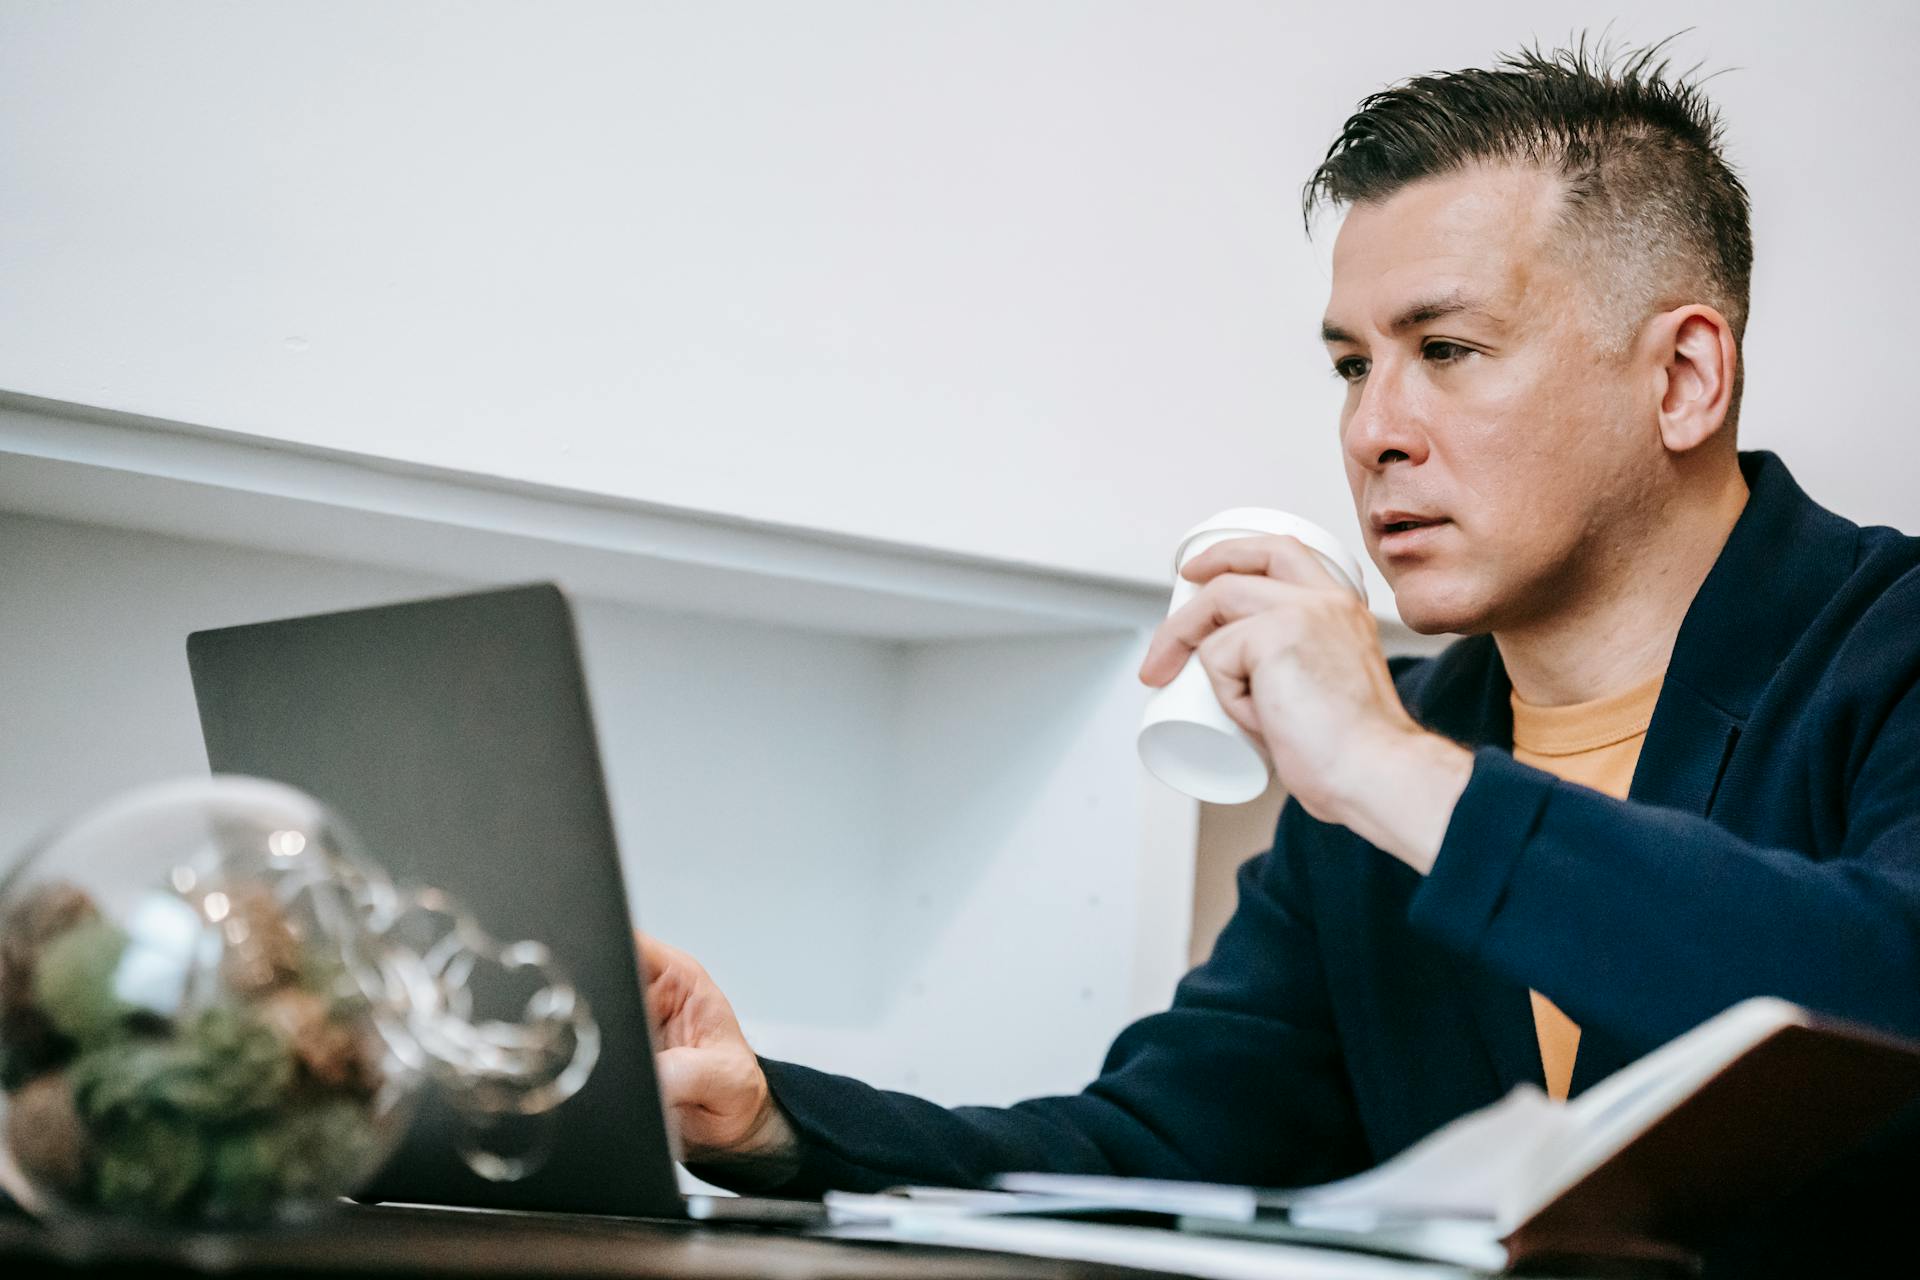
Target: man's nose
x=1386 y=425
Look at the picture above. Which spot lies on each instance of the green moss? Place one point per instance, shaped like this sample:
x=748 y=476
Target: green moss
x=148 y=1165
x=208 y=1123
x=313 y=1151
x=73 y=981
x=223 y=1066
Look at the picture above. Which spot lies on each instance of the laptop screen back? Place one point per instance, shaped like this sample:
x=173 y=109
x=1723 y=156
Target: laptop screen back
x=453 y=735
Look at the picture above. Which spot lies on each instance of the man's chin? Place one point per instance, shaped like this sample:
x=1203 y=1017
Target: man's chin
x=1430 y=612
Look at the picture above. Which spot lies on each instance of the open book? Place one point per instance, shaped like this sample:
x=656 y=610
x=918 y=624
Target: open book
x=1649 y=1163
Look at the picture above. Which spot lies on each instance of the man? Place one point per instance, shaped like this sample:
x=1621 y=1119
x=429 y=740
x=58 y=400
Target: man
x=1675 y=763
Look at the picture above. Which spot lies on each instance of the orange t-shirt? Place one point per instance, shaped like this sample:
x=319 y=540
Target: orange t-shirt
x=1595 y=744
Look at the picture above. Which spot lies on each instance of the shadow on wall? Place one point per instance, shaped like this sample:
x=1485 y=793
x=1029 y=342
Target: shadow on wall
x=746 y=765
x=1006 y=750
x=1229 y=835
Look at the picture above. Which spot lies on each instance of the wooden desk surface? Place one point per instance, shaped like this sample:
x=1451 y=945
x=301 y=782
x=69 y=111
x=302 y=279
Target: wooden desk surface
x=366 y=1241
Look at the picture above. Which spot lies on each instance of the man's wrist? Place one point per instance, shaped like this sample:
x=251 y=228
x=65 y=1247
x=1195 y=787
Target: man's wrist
x=768 y=1156
x=772 y=1136
x=1406 y=802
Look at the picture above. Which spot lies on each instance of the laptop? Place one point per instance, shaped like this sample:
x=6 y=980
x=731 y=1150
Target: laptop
x=455 y=738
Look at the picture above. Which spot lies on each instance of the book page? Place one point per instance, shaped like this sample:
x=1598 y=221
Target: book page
x=1475 y=1167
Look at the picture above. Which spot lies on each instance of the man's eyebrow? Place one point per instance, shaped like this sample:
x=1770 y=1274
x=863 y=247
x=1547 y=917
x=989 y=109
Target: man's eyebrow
x=1419 y=312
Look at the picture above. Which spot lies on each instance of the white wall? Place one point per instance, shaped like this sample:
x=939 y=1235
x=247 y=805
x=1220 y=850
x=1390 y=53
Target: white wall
x=912 y=862
x=1015 y=278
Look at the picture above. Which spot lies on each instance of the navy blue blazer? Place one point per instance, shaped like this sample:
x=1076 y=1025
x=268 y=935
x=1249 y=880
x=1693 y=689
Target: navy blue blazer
x=1770 y=845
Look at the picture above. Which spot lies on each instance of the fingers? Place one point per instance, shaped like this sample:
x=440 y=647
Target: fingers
x=1220 y=603
x=663 y=960
x=667 y=975
x=680 y=1075
x=1274 y=556
x=1229 y=667
x=1241 y=577
x=683 y=1074
x=655 y=955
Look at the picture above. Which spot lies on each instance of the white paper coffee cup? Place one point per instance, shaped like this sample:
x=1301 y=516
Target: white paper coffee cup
x=1187 y=740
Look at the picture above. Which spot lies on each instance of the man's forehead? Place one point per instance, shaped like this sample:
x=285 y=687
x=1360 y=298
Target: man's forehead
x=1475 y=236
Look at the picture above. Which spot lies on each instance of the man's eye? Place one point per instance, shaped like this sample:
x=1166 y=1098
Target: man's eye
x=1445 y=352
x=1351 y=369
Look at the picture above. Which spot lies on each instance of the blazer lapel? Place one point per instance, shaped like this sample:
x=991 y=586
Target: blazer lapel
x=1686 y=751
x=1687 y=748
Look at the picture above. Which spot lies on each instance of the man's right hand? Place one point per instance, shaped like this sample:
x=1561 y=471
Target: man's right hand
x=711 y=1085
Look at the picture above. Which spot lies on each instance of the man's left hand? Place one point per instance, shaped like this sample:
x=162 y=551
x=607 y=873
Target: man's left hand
x=1295 y=659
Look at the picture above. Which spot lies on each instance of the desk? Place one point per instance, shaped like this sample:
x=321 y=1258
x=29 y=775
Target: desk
x=366 y=1241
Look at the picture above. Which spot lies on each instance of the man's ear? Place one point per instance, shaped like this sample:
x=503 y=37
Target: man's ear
x=1695 y=349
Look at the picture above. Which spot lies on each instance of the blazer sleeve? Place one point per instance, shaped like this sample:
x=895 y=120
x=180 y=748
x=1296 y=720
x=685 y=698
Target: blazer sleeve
x=1241 y=1080
x=1677 y=917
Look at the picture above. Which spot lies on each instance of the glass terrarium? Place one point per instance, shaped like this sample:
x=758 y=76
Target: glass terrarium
x=215 y=1008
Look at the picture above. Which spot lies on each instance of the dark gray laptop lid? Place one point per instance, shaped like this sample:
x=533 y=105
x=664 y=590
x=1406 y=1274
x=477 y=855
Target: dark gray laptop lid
x=454 y=737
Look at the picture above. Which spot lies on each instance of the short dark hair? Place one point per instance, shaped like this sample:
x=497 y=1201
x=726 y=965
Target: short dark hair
x=1639 y=149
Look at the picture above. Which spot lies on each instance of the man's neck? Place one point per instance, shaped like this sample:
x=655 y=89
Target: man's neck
x=1621 y=634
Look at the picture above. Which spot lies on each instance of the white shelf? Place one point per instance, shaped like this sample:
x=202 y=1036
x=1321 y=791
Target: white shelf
x=73 y=462
x=914 y=769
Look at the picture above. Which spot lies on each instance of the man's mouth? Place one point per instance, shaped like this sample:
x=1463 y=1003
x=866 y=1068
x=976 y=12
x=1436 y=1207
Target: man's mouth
x=1402 y=531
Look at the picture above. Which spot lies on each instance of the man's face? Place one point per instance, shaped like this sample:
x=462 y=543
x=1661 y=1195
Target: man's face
x=1495 y=449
